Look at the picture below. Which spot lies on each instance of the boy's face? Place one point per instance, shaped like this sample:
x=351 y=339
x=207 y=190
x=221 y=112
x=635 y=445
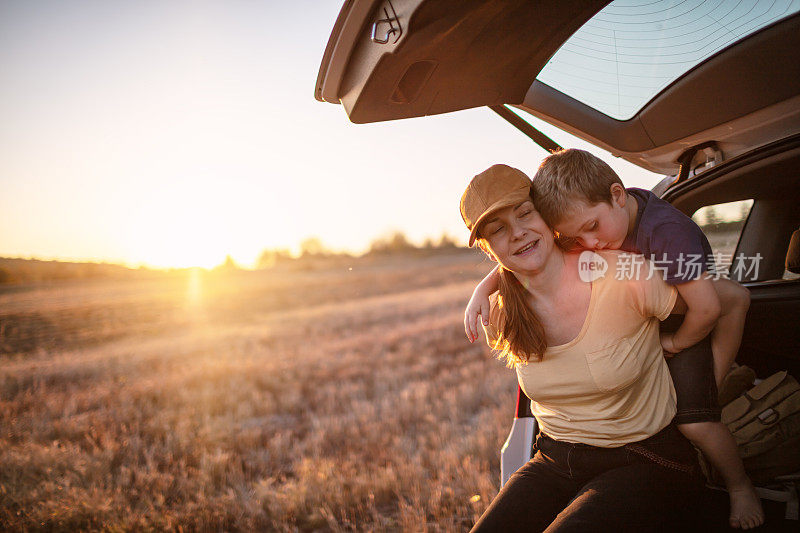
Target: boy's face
x=597 y=226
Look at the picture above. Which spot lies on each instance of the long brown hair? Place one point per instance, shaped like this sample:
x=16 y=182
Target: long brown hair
x=521 y=334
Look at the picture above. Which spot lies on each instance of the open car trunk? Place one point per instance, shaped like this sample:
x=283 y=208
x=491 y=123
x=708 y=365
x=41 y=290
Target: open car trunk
x=770 y=178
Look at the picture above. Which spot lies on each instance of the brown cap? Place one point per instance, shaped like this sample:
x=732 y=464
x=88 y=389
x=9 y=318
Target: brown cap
x=496 y=187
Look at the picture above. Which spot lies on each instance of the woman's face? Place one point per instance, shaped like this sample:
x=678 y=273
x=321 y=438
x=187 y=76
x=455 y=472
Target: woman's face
x=518 y=238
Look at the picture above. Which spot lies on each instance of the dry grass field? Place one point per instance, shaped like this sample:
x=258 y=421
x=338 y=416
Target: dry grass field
x=333 y=399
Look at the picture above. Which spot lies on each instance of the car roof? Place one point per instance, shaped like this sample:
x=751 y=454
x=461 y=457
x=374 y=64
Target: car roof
x=386 y=60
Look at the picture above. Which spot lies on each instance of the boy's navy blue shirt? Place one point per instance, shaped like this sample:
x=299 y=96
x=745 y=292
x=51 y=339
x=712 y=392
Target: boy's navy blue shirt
x=669 y=239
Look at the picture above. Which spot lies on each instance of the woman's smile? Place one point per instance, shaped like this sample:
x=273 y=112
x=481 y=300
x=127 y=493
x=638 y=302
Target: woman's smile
x=527 y=249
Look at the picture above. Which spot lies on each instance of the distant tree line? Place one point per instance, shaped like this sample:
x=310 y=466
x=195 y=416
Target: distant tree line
x=312 y=250
x=16 y=270
x=395 y=242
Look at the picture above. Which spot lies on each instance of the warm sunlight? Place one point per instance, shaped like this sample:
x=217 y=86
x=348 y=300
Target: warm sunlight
x=175 y=231
x=194 y=289
x=173 y=135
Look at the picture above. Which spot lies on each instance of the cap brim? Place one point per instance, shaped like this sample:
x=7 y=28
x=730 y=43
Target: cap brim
x=514 y=198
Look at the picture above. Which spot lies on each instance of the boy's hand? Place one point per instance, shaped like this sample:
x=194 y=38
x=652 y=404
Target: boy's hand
x=478 y=306
x=668 y=344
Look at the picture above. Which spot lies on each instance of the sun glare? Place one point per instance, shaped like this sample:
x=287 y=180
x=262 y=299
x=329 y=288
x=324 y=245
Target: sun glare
x=182 y=228
x=177 y=245
x=194 y=289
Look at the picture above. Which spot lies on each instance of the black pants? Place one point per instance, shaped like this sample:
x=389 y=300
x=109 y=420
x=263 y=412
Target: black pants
x=580 y=488
x=692 y=372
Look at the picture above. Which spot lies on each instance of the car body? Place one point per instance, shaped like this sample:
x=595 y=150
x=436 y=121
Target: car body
x=723 y=127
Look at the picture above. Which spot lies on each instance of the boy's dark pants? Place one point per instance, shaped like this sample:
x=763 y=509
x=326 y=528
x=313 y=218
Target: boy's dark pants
x=692 y=373
x=580 y=488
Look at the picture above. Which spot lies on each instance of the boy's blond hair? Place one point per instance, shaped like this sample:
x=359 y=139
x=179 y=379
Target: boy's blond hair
x=569 y=175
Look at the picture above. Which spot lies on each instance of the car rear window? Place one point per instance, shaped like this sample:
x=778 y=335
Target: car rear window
x=631 y=50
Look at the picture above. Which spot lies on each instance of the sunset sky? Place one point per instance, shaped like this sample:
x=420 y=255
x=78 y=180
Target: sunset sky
x=172 y=133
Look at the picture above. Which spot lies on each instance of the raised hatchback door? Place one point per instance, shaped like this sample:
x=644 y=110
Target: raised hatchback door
x=408 y=58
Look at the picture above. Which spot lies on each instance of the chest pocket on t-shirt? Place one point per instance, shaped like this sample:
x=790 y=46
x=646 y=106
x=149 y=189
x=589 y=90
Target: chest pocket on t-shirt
x=614 y=367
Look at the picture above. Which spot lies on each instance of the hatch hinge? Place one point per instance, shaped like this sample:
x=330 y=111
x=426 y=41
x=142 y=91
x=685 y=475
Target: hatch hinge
x=713 y=157
x=708 y=154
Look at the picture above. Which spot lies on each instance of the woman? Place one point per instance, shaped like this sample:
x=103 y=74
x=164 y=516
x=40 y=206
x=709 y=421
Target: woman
x=588 y=354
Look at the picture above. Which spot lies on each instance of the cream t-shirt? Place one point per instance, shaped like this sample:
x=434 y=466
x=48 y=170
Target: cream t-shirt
x=610 y=385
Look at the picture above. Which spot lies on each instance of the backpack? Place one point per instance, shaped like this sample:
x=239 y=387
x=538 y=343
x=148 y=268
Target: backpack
x=765 y=423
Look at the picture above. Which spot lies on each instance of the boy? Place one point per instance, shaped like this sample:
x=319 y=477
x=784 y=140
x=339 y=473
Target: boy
x=581 y=197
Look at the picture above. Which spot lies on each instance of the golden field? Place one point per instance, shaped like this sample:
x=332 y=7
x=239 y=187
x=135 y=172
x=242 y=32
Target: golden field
x=338 y=398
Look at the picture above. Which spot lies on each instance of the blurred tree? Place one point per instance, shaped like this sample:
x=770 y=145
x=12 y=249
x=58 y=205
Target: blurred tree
x=712 y=217
x=744 y=209
x=446 y=241
x=394 y=242
x=229 y=264
x=270 y=258
x=313 y=247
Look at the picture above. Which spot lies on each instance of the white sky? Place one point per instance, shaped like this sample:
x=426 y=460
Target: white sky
x=172 y=133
